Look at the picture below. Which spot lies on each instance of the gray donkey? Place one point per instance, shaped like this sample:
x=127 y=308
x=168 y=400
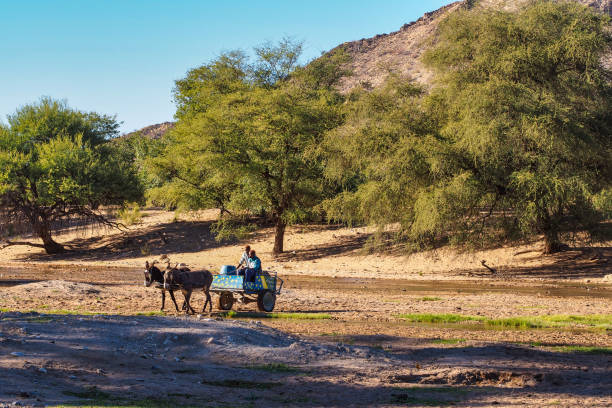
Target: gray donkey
x=154 y=275
x=187 y=282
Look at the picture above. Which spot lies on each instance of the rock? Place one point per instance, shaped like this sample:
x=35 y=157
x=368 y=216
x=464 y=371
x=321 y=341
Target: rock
x=42 y=370
x=210 y=340
x=100 y=371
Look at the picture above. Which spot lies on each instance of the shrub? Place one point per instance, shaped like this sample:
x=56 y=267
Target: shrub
x=130 y=214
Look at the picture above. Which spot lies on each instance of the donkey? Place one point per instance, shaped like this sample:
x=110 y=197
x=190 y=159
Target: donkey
x=187 y=282
x=154 y=274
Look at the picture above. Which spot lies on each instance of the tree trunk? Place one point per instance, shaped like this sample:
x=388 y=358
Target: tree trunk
x=279 y=236
x=551 y=242
x=51 y=247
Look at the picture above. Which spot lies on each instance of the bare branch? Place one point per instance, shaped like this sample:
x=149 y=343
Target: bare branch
x=7 y=243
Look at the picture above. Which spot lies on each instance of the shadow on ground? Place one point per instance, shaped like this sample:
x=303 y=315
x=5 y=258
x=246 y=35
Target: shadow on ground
x=180 y=236
x=131 y=362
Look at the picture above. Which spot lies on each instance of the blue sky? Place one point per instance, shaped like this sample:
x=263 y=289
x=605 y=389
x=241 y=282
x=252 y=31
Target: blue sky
x=121 y=57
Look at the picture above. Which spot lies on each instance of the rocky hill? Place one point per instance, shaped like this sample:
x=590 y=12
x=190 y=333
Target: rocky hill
x=400 y=51
x=153 y=131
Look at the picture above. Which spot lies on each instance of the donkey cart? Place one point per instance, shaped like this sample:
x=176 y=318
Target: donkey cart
x=233 y=288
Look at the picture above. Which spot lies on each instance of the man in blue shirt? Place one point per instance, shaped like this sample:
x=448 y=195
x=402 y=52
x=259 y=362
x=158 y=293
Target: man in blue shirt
x=254 y=267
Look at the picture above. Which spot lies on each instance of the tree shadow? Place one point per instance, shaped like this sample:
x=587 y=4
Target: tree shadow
x=180 y=236
x=574 y=263
x=340 y=246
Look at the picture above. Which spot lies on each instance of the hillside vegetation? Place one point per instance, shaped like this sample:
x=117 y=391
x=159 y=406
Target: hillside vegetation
x=399 y=52
x=504 y=135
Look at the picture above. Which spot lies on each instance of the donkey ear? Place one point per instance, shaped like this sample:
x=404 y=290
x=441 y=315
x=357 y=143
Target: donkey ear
x=147 y=264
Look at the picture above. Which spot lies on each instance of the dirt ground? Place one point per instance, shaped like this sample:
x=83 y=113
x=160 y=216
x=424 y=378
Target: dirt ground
x=317 y=250
x=162 y=361
x=361 y=354
x=82 y=330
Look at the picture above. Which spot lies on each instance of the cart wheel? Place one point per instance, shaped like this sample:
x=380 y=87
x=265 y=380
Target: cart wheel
x=266 y=301
x=226 y=301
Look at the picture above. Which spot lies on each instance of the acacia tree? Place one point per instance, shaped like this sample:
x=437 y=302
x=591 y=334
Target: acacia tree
x=524 y=101
x=55 y=164
x=513 y=141
x=247 y=134
x=380 y=156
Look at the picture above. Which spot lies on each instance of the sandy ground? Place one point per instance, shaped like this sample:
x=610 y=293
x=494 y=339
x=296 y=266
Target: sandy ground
x=309 y=250
x=361 y=354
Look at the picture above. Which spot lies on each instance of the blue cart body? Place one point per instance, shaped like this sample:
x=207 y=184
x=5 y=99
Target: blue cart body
x=232 y=288
x=235 y=283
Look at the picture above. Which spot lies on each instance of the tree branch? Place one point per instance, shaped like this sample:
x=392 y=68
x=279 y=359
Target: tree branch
x=7 y=243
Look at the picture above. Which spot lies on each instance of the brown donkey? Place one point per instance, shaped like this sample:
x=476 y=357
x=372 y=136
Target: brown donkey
x=187 y=282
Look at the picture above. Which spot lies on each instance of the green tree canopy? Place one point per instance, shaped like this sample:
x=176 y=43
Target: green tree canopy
x=55 y=164
x=527 y=124
x=247 y=135
x=517 y=139
x=380 y=156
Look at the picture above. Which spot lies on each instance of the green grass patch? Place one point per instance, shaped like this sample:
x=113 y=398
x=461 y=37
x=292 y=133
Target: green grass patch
x=584 y=349
x=430 y=298
x=601 y=321
x=438 y=318
x=254 y=315
x=517 y=323
x=449 y=341
x=527 y=322
x=72 y=312
x=40 y=319
x=153 y=313
x=137 y=403
x=257 y=385
x=93 y=397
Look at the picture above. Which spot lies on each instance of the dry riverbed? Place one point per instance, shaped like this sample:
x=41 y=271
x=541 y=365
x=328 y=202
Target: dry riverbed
x=334 y=342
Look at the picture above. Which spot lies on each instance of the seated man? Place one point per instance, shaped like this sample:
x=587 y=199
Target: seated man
x=254 y=267
x=244 y=260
